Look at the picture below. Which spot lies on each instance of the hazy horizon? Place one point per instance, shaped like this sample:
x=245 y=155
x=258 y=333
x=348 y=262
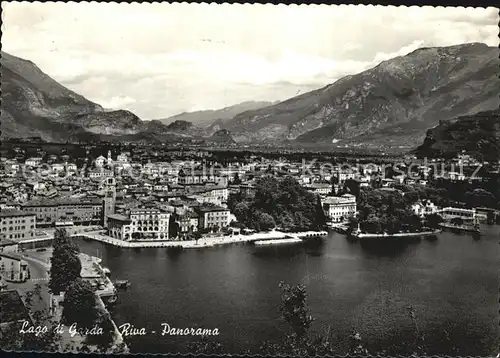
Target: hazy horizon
x=141 y=58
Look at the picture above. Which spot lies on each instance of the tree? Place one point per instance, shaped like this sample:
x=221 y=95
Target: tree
x=293 y=309
x=266 y=221
x=433 y=220
x=319 y=215
x=102 y=341
x=173 y=227
x=79 y=304
x=236 y=179
x=197 y=236
x=65 y=263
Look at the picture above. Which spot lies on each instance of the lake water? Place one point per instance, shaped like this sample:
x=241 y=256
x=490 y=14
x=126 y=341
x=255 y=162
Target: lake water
x=451 y=282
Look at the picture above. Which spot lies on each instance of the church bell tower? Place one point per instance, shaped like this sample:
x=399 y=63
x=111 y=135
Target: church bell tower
x=109 y=200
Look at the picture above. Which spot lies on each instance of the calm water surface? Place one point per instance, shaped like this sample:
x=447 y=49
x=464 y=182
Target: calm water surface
x=451 y=282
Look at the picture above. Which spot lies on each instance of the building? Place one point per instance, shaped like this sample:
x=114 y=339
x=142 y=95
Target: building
x=188 y=176
x=188 y=222
x=82 y=211
x=465 y=214
x=212 y=217
x=99 y=162
x=109 y=200
x=9 y=246
x=139 y=224
x=320 y=188
x=13 y=268
x=17 y=225
x=338 y=209
x=425 y=207
x=346 y=175
x=33 y=162
x=100 y=173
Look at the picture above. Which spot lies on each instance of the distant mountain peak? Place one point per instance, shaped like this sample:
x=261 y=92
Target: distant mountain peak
x=391 y=104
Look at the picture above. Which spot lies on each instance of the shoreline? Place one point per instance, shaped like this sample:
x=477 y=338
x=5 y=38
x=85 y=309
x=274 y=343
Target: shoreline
x=204 y=242
x=396 y=235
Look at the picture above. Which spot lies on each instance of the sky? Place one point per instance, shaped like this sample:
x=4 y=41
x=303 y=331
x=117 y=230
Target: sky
x=161 y=59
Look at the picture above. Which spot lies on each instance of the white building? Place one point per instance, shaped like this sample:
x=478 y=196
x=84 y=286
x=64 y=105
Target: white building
x=345 y=175
x=139 y=224
x=213 y=217
x=13 y=268
x=450 y=213
x=33 y=162
x=99 y=162
x=424 y=208
x=122 y=158
x=320 y=188
x=338 y=209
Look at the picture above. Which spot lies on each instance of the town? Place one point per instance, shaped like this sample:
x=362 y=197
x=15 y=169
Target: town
x=129 y=196
x=196 y=198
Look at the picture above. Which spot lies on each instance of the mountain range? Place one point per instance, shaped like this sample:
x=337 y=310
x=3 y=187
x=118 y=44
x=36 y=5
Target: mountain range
x=393 y=103
x=390 y=105
x=208 y=117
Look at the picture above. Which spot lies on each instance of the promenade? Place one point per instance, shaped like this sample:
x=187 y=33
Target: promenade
x=204 y=242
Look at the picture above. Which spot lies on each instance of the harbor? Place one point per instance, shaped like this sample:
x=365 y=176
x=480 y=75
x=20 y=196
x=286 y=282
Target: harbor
x=399 y=235
x=206 y=241
x=345 y=280
x=463 y=228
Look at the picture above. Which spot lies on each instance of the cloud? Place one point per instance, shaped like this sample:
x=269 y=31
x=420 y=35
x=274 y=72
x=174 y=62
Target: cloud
x=161 y=59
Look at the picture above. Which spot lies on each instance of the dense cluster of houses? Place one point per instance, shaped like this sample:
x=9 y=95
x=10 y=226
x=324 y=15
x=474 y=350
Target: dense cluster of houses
x=135 y=200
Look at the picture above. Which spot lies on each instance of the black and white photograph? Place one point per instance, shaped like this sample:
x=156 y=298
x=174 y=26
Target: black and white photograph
x=249 y=179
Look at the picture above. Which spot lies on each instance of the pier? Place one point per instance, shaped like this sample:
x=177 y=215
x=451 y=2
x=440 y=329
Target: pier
x=203 y=242
x=359 y=235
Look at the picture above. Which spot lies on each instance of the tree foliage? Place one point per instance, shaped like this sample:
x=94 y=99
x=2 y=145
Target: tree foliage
x=65 y=264
x=282 y=203
x=79 y=304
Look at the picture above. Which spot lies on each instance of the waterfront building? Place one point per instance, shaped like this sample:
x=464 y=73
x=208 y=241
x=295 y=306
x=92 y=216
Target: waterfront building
x=339 y=208
x=13 y=268
x=188 y=222
x=82 y=211
x=139 y=224
x=450 y=213
x=17 y=225
x=425 y=207
x=212 y=217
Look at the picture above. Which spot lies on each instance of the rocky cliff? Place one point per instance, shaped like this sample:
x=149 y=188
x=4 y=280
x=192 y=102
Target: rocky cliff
x=477 y=135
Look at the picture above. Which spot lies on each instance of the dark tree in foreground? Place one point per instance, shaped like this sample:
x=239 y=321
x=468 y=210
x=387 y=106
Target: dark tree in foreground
x=173 y=227
x=79 y=304
x=65 y=265
x=293 y=308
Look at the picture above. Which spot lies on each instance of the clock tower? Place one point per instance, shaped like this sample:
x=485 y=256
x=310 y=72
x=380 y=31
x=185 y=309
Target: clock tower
x=109 y=200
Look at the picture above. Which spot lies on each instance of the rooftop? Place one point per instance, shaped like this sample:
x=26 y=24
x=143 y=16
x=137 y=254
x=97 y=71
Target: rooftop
x=118 y=217
x=206 y=209
x=8 y=213
x=6 y=242
x=61 y=201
